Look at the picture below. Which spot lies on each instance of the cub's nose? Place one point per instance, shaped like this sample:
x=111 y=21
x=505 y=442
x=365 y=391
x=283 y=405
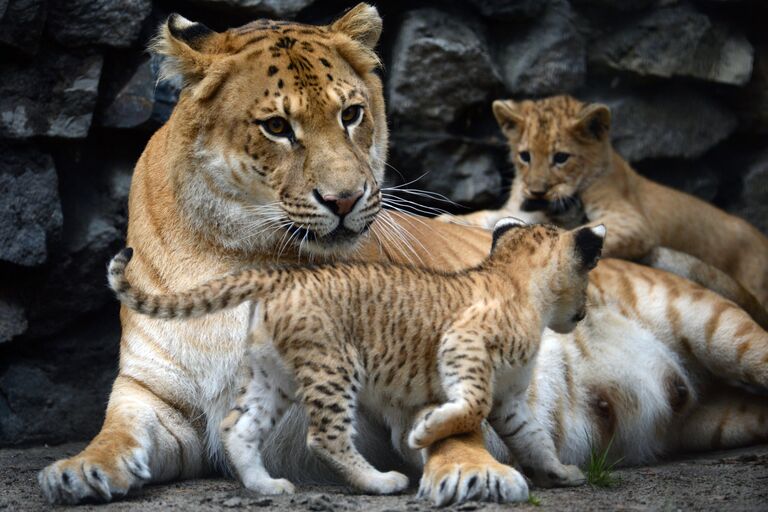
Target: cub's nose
x=341 y=203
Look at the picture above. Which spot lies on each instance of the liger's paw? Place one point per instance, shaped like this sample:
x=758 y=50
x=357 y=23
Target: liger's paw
x=94 y=477
x=381 y=483
x=270 y=486
x=456 y=483
x=560 y=476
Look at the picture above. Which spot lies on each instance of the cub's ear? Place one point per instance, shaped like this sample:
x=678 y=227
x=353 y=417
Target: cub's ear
x=589 y=245
x=362 y=24
x=183 y=43
x=593 y=122
x=504 y=225
x=510 y=119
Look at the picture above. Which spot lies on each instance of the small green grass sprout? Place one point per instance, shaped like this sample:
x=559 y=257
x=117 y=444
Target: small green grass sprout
x=598 y=471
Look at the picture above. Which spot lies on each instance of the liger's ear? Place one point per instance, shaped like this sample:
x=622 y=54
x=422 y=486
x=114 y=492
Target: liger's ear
x=589 y=245
x=362 y=24
x=593 y=122
x=510 y=118
x=183 y=42
x=504 y=225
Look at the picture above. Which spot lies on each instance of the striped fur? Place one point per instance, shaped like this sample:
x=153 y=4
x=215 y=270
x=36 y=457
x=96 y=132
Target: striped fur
x=177 y=380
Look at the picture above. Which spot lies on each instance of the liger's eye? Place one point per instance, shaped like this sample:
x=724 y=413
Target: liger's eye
x=351 y=115
x=560 y=158
x=525 y=156
x=277 y=126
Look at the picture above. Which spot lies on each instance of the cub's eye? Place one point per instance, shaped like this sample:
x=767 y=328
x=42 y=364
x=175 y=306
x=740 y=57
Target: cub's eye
x=525 y=156
x=351 y=115
x=560 y=158
x=277 y=126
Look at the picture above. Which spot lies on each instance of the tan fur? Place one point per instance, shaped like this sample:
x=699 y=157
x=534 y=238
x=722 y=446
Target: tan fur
x=177 y=380
x=398 y=339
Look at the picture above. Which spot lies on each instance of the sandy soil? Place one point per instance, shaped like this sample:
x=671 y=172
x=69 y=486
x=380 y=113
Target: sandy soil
x=732 y=480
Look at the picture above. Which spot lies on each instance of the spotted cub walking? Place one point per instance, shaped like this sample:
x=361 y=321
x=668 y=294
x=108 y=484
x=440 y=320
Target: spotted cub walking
x=430 y=351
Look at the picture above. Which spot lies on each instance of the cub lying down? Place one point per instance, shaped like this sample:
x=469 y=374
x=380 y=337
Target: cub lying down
x=431 y=352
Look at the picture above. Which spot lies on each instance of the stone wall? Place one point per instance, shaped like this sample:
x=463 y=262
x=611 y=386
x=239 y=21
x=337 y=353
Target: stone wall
x=687 y=81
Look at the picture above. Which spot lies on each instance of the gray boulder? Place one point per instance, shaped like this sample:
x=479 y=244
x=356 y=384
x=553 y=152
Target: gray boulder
x=440 y=69
x=53 y=95
x=56 y=390
x=95 y=181
x=127 y=100
x=620 y=5
x=676 y=41
x=509 y=10
x=268 y=8
x=13 y=321
x=666 y=123
x=30 y=212
x=752 y=101
x=466 y=171
x=21 y=24
x=548 y=58
x=754 y=198
x=115 y=23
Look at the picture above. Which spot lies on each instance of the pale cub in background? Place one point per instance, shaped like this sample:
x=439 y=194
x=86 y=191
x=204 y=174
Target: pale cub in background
x=427 y=349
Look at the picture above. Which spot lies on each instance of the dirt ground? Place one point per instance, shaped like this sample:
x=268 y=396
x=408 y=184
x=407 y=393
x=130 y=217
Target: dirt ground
x=733 y=480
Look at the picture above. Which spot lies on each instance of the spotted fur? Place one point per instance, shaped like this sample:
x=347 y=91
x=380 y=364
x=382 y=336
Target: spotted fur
x=406 y=342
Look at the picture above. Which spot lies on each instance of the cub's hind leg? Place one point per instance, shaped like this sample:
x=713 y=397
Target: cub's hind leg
x=265 y=396
x=526 y=438
x=328 y=385
x=466 y=374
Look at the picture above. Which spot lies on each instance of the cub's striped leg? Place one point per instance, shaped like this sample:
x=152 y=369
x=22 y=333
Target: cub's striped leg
x=466 y=375
x=328 y=387
x=263 y=400
x=531 y=445
x=729 y=419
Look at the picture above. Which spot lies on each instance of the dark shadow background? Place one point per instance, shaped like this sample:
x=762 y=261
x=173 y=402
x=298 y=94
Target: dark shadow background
x=687 y=81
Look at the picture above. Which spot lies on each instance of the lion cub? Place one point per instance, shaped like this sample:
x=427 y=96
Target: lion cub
x=423 y=348
x=568 y=170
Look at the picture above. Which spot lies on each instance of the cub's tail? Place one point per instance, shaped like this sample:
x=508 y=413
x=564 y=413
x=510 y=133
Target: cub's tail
x=215 y=295
x=692 y=268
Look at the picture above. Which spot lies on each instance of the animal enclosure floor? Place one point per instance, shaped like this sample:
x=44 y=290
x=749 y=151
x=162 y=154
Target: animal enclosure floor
x=724 y=481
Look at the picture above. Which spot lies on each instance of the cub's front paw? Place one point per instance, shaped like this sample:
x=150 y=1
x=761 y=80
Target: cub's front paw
x=382 y=483
x=445 y=421
x=94 y=476
x=270 y=486
x=560 y=476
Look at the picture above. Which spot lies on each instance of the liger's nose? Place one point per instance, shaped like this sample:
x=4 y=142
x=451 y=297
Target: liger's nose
x=341 y=203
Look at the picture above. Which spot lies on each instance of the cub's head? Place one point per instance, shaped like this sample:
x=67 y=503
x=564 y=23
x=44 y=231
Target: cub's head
x=279 y=137
x=554 y=262
x=559 y=147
